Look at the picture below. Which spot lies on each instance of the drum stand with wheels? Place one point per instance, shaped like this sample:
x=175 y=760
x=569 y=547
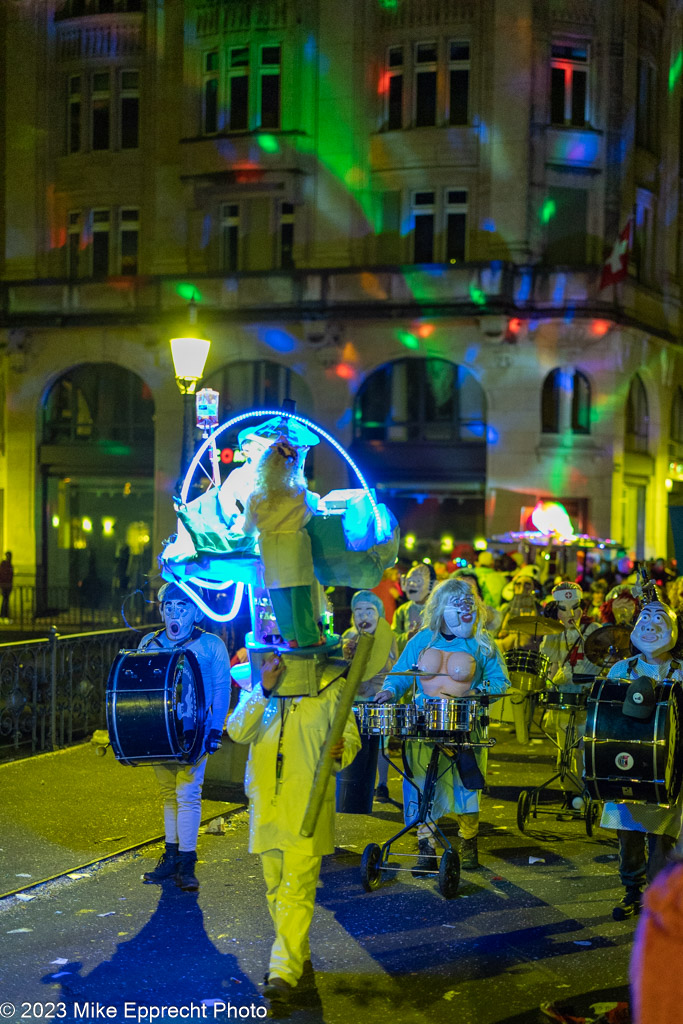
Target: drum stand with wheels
x=528 y=801
x=375 y=858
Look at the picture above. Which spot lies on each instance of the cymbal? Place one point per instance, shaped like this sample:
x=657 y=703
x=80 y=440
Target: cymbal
x=608 y=642
x=534 y=625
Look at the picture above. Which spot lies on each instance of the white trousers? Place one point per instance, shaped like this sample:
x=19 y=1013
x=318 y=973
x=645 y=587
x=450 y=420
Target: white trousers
x=181 y=793
x=291 y=879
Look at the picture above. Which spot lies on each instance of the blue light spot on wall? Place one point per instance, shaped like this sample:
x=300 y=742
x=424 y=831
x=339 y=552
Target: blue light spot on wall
x=524 y=287
x=310 y=48
x=206 y=231
x=471 y=354
x=559 y=289
x=278 y=340
x=488 y=225
x=344 y=419
x=492 y=435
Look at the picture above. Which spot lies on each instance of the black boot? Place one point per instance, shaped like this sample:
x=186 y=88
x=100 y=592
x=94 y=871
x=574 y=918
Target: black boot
x=468 y=854
x=166 y=865
x=185 y=877
x=426 y=860
x=629 y=905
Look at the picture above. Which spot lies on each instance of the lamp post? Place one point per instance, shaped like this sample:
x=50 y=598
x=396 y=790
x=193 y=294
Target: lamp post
x=189 y=355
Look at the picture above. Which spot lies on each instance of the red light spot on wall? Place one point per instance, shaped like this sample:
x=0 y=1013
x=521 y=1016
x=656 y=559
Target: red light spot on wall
x=599 y=328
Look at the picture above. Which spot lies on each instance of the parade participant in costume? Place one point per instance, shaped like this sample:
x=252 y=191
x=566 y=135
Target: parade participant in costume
x=494 y=618
x=456 y=644
x=491 y=581
x=417 y=585
x=569 y=670
x=238 y=485
x=641 y=826
x=522 y=599
x=367 y=615
x=278 y=509
x=621 y=607
x=181 y=785
x=287 y=737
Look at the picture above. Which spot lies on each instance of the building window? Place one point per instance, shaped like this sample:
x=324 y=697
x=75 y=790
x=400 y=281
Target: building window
x=646 y=105
x=569 y=84
x=643 y=240
x=425 y=84
x=129 y=234
x=565 y=402
x=230 y=227
x=456 y=225
x=420 y=400
x=423 y=227
x=286 y=239
x=458 y=82
x=394 y=91
x=101 y=111
x=129 y=110
x=73 y=243
x=73 y=139
x=238 y=89
x=565 y=215
x=210 y=94
x=269 y=76
x=637 y=418
x=100 y=243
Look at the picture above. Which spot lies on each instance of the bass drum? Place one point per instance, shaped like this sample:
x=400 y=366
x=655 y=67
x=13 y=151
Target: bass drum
x=156 y=708
x=633 y=760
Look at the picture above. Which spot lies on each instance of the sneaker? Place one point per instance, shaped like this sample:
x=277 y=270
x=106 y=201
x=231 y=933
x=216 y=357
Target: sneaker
x=469 y=857
x=426 y=860
x=382 y=794
x=278 y=990
x=166 y=866
x=629 y=905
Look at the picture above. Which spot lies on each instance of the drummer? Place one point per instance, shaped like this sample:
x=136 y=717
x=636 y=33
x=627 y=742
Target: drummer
x=642 y=826
x=457 y=657
x=571 y=671
x=524 y=593
x=367 y=613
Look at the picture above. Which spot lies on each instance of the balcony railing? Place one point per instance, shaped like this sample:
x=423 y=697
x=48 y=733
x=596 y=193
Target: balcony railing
x=86 y=8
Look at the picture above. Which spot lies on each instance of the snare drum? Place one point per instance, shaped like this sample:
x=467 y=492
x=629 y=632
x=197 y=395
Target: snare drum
x=447 y=715
x=527 y=670
x=156 y=709
x=565 y=700
x=633 y=759
x=386 y=719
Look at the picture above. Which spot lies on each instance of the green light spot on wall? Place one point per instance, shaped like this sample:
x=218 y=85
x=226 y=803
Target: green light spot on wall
x=389 y=5
x=269 y=143
x=675 y=70
x=548 y=210
x=477 y=296
x=188 y=292
x=407 y=339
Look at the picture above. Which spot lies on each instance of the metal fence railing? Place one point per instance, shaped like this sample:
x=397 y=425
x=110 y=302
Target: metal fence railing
x=31 y=607
x=52 y=691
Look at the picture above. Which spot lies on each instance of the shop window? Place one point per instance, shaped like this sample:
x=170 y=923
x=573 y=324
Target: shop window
x=637 y=418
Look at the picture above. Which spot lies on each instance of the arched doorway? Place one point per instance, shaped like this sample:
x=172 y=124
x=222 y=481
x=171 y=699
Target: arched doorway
x=96 y=459
x=420 y=431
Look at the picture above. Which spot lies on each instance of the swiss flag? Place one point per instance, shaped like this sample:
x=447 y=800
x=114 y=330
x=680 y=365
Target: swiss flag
x=615 y=267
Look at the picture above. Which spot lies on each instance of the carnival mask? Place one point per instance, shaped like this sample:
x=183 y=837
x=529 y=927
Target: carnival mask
x=179 y=618
x=365 y=617
x=416 y=584
x=568 y=599
x=623 y=610
x=656 y=629
x=460 y=616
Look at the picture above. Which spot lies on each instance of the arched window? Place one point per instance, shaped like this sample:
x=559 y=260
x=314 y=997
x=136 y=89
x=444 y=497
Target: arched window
x=637 y=418
x=566 y=402
x=259 y=384
x=676 y=427
x=99 y=404
x=420 y=400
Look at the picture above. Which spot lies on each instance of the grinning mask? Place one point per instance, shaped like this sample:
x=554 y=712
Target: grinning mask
x=656 y=629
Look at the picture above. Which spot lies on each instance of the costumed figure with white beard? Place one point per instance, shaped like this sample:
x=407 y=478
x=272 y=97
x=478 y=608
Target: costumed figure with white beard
x=572 y=672
x=647 y=832
x=417 y=585
x=181 y=785
x=367 y=612
x=455 y=656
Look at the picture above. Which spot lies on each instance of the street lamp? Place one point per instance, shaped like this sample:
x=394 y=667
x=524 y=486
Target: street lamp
x=189 y=355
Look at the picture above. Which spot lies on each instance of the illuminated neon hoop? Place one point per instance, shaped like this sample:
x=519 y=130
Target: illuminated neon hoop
x=382 y=525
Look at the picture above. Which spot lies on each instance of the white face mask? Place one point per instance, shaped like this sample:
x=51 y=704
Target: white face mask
x=460 y=616
x=365 y=617
x=179 y=618
x=416 y=585
x=655 y=631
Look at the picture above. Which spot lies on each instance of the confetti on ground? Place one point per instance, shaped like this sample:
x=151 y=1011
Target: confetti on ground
x=536 y=860
x=449 y=995
x=60 y=974
x=77 y=874
x=582 y=942
x=60 y=961
x=24 y=897
x=107 y=913
x=85 y=911
x=22 y=874
x=15 y=931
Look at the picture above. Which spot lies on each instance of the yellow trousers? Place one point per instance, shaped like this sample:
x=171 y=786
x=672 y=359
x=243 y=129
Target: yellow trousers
x=291 y=879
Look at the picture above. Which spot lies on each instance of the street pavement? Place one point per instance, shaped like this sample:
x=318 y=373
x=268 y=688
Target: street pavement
x=533 y=926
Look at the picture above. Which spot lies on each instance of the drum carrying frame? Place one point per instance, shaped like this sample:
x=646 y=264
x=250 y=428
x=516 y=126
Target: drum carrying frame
x=375 y=857
x=528 y=801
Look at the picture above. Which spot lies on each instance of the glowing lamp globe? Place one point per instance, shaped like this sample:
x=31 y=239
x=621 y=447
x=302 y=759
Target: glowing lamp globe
x=189 y=359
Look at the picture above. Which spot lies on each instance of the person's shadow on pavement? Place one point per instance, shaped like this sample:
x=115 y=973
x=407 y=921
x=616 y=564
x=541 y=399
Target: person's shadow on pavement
x=171 y=962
